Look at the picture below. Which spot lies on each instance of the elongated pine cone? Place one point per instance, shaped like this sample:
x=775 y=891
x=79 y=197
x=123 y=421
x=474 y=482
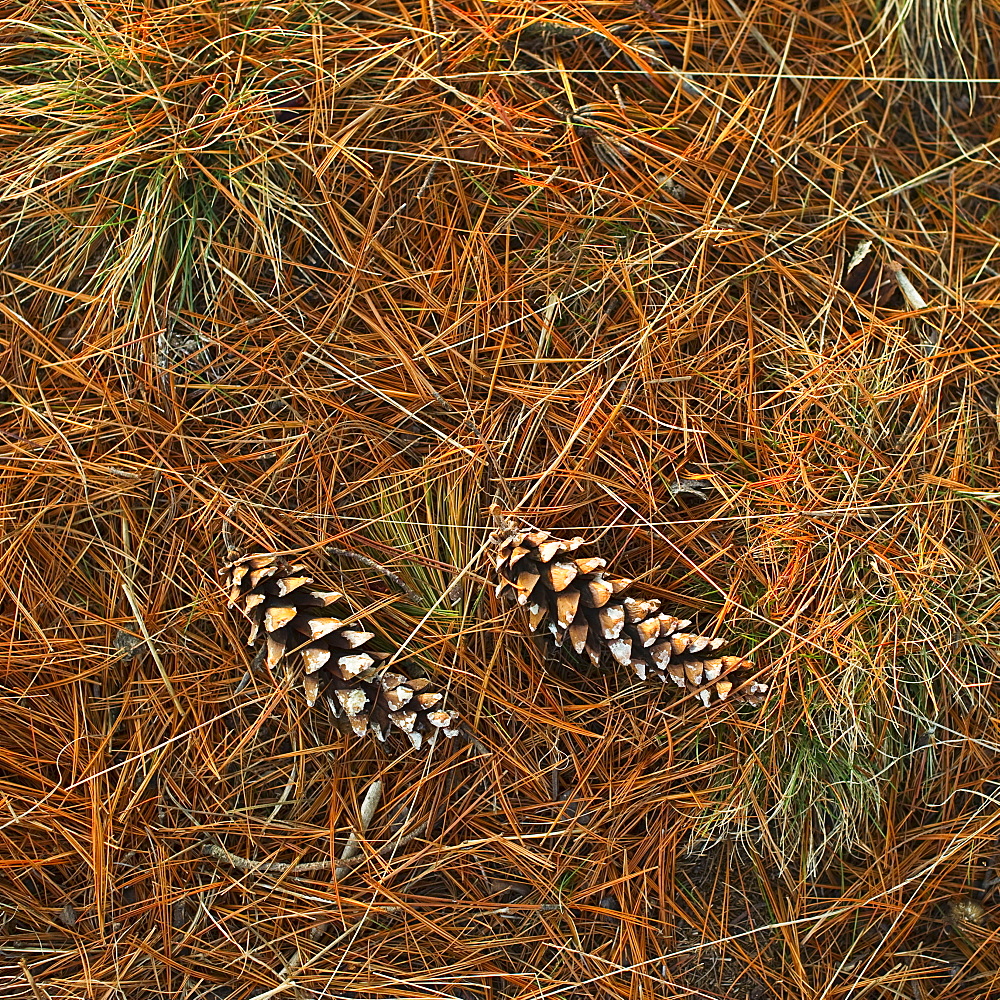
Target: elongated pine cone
x=572 y=600
x=336 y=658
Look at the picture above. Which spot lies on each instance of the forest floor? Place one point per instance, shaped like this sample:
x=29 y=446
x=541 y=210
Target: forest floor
x=711 y=284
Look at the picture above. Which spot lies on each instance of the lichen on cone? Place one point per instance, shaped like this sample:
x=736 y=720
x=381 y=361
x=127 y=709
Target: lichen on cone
x=571 y=599
x=336 y=657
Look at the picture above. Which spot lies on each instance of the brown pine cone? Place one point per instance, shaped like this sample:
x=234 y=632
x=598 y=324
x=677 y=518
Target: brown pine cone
x=336 y=658
x=571 y=599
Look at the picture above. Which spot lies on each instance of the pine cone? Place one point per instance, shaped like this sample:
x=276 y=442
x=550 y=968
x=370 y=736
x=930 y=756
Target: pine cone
x=573 y=600
x=336 y=658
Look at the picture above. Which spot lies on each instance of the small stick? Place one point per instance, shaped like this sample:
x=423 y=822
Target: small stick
x=915 y=301
x=913 y=298
x=368 y=806
x=281 y=867
x=385 y=571
x=227 y=535
x=35 y=991
x=427 y=180
x=484 y=751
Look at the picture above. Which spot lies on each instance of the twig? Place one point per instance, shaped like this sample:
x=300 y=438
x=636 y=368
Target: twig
x=35 y=991
x=227 y=534
x=915 y=300
x=378 y=567
x=483 y=750
x=368 y=806
x=281 y=867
